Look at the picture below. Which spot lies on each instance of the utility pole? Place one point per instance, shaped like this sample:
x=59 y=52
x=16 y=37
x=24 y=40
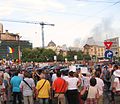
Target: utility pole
x=42 y=29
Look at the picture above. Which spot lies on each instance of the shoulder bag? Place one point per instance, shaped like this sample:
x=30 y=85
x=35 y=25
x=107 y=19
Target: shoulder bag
x=27 y=84
x=85 y=94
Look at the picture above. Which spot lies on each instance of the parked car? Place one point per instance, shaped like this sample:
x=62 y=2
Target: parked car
x=82 y=67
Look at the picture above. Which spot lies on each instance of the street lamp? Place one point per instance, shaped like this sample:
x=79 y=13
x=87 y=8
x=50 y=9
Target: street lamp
x=19 y=52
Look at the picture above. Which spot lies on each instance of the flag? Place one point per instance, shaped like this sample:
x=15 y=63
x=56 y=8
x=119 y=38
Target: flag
x=10 y=50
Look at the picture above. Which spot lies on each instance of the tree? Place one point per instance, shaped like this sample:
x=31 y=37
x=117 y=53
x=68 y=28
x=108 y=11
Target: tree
x=87 y=57
x=48 y=54
x=80 y=55
x=38 y=55
x=70 y=55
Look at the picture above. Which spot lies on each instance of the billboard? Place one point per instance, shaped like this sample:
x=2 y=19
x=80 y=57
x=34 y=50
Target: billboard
x=115 y=46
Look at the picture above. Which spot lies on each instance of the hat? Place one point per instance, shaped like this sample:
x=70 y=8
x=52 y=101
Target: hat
x=117 y=73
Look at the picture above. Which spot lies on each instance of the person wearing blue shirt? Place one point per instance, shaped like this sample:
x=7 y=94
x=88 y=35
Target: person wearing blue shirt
x=15 y=83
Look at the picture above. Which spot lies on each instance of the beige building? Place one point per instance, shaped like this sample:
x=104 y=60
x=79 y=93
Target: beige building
x=9 y=36
x=51 y=45
x=94 y=50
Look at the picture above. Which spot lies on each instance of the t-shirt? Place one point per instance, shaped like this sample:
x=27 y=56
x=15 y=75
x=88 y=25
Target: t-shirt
x=6 y=76
x=44 y=91
x=27 y=91
x=100 y=85
x=92 y=92
x=21 y=75
x=54 y=76
x=15 y=82
x=59 y=85
x=118 y=84
x=72 y=83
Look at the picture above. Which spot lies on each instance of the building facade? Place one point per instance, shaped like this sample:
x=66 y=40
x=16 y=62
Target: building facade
x=13 y=41
x=94 y=50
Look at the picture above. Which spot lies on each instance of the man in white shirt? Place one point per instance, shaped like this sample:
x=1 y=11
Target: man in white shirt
x=99 y=86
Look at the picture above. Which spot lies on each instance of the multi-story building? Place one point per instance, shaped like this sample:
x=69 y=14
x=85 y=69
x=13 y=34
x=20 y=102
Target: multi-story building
x=12 y=40
x=94 y=49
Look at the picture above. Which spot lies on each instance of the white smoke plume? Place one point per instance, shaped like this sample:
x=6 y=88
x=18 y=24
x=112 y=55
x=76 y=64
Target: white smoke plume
x=104 y=30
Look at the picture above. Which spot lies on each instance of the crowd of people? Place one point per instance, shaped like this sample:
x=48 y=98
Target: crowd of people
x=69 y=86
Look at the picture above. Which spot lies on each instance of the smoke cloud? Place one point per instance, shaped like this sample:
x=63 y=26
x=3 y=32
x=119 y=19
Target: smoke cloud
x=104 y=30
x=76 y=42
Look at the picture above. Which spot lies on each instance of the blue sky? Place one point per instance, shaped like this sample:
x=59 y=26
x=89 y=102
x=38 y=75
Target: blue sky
x=75 y=20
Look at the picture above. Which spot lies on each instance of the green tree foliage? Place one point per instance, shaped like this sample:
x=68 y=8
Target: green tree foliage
x=60 y=56
x=80 y=55
x=87 y=57
x=37 y=55
x=70 y=55
x=44 y=55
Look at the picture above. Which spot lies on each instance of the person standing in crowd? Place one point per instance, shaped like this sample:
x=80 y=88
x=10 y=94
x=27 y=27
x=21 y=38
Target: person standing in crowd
x=99 y=86
x=15 y=83
x=112 y=82
x=60 y=87
x=110 y=67
x=85 y=82
x=93 y=92
x=43 y=89
x=72 y=92
x=106 y=76
x=2 y=92
x=116 y=87
x=21 y=75
x=54 y=76
x=6 y=80
x=27 y=87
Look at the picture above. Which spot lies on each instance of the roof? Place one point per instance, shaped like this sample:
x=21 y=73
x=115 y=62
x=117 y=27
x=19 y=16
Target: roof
x=51 y=44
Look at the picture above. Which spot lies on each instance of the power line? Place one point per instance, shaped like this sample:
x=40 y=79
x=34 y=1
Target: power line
x=115 y=3
x=31 y=22
x=96 y=1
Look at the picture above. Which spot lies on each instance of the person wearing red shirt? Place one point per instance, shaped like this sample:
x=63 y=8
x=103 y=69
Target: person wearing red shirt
x=60 y=87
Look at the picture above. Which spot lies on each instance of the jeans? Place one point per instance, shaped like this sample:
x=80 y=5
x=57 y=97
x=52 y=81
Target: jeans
x=17 y=96
x=43 y=100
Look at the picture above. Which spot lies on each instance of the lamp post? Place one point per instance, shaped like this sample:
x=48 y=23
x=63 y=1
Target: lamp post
x=19 y=52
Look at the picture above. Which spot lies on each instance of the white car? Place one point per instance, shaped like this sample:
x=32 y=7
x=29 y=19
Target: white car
x=82 y=67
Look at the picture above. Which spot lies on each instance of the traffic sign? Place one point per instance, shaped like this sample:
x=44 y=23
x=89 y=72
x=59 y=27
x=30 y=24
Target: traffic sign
x=108 y=44
x=108 y=54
